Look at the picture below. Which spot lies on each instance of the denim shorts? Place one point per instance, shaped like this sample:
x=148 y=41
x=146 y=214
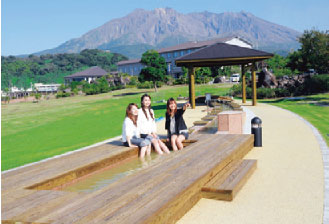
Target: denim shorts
x=148 y=137
x=140 y=142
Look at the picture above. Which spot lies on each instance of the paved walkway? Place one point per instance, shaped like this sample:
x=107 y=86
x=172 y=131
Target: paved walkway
x=288 y=185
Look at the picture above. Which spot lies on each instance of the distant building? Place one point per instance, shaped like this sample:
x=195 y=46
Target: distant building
x=133 y=67
x=46 y=88
x=88 y=75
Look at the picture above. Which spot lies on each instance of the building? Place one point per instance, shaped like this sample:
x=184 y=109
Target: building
x=133 y=67
x=87 y=75
x=46 y=88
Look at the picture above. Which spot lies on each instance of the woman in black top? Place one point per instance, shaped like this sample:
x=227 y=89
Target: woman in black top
x=175 y=124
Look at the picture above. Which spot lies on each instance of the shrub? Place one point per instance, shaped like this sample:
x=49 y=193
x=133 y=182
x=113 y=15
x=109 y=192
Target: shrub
x=145 y=85
x=265 y=93
x=316 y=84
x=281 y=92
x=133 y=81
x=236 y=90
x=75 y=92
x=159 y=84
x=61 y=94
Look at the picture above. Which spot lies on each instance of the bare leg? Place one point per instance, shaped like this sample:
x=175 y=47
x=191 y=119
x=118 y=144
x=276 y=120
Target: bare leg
x=179 y=141
x=173 y=142
x=142 y=152
x=163 y=147
x=148 y=150
x=156 y=146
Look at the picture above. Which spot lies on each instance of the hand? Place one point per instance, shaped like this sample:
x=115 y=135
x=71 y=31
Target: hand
x=167 y=139
x=187 y=104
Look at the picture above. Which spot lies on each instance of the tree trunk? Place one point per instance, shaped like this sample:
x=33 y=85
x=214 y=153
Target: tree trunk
x=155 y=86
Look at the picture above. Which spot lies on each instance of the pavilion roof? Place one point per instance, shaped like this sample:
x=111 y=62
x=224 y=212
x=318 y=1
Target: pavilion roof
x=221 y=54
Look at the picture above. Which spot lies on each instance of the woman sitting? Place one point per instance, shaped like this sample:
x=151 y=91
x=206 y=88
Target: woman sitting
x=147 y=125
x=130 y=131
x=175 y=125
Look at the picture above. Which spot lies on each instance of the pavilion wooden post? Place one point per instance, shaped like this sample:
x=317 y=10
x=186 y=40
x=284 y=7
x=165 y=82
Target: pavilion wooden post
x=254 y=87
x=243 y=84
x=191 y=86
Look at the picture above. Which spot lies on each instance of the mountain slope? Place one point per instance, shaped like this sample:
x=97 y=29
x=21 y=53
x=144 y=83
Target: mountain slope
x=142 y=30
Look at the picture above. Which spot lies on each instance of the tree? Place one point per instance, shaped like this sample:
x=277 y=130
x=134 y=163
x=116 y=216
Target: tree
x=155 y=69
x=314 y=52
x=103 y=85
x=201 y=74
x=278 y=65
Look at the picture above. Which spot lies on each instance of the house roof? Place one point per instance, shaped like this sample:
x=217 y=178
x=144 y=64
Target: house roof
x=132 y=61
x=198 y=44
x=222 y=54
x=94 y=71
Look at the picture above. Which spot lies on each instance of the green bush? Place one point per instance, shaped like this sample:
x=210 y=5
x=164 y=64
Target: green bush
x=61 y=94
x=133 y=81
x=159 y=84
x=236 y=90
x=75 y=92
x=180 y=81
x=316 y=84
x=145 y=85
x=263 y=93
x=280 y=92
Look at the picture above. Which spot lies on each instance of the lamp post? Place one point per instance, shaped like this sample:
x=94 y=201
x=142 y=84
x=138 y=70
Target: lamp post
x=256 y=130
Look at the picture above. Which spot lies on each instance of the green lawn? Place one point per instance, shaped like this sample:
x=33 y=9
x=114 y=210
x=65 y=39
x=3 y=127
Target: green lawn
x=314 y=108
x=35 y=131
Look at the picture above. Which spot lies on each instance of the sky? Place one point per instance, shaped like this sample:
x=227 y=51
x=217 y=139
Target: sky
x=29 y=26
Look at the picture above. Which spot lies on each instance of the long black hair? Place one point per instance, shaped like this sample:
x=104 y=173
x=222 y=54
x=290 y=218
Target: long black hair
x=143 y=106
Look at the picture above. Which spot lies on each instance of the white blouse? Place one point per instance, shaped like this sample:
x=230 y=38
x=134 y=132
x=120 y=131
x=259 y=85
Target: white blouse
x=129 y=129
x=146 y=126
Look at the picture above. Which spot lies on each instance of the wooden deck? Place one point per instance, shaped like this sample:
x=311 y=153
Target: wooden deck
x=160 y=193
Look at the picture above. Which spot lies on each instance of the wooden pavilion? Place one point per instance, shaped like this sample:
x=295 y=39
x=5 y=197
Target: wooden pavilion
x=221 y=54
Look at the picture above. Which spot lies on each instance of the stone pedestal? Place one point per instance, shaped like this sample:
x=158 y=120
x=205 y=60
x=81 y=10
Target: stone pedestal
x=231 y=122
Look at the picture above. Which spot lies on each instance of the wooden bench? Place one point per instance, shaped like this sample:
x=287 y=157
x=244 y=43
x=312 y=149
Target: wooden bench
x=227 y=183
x=160 y=193
x=208 y=118
x=198 y=123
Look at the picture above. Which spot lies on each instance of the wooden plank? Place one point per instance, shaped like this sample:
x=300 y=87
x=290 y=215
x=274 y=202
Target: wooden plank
x=208 y=118
x=200 y=122
x=56 y=167
x=224 y=186
x=160 y=193
x=119 y=196
x=82 y=171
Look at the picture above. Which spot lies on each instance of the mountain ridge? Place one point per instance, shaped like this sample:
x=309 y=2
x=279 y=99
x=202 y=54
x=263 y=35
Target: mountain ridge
x=162 y=27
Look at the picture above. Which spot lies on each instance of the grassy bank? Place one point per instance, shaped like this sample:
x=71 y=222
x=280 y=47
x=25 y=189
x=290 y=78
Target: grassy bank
x=35 y=131
x=314 y=108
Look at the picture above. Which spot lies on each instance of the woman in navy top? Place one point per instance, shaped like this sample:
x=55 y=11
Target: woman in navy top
x=175 y=125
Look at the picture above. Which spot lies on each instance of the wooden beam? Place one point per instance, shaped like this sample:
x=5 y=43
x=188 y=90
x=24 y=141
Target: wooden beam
x=243 y=84
x=191 y=71
x=254 y=87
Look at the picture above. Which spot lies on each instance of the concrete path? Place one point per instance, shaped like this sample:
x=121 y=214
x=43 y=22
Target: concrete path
x=288 y=185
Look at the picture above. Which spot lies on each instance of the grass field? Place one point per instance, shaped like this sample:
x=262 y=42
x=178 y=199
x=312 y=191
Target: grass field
x=35 y=131
x=315 y=109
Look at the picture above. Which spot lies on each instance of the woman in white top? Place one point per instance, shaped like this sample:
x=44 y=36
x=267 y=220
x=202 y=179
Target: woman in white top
x=146 y=123
x=130 y=131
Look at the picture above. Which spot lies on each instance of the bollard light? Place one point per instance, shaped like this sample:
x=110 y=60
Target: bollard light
x=256 y=130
